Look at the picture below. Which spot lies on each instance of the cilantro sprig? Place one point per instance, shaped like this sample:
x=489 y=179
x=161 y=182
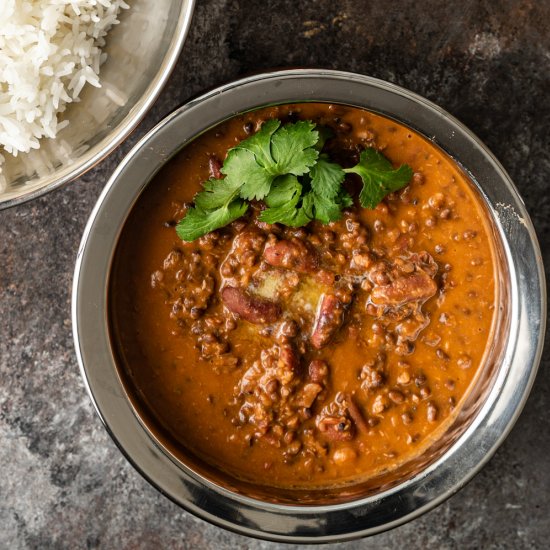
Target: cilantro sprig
x=284 y=167
x=379 y=177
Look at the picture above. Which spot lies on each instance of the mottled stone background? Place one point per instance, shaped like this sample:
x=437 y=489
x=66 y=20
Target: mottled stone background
x=63 y=483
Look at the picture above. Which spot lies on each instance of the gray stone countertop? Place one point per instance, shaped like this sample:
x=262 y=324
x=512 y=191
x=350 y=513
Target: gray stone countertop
x=63 y=482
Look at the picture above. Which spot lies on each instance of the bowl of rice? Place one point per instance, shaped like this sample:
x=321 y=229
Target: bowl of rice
x=76 y=77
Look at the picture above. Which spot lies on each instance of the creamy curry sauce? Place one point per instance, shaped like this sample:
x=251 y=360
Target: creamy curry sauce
x=312 y=357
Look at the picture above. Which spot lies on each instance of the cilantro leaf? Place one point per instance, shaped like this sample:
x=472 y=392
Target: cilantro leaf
x=273 y=151
x=260 y=143
x=283 y=203
x=293 y=148
x=326 y=177
x=326 y=210
x=344 y=198
x=327 y=195
x=243 y=172
x=286 y=189
x=198 y=222
x=308 y=205
x=379 y=177
x=300 y=218
x=215 y=194
x=320 y=196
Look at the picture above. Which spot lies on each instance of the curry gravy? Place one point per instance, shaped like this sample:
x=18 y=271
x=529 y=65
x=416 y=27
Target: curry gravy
x=274 y=400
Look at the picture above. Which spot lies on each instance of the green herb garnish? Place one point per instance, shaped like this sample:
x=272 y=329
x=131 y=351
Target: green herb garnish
x=379 y=177
x=283 y=166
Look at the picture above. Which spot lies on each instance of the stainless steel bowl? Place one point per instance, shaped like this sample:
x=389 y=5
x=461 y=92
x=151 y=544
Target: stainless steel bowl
x=142 y=51
x=493 y=404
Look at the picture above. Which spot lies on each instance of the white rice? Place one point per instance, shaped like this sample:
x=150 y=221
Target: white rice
x=49 y=50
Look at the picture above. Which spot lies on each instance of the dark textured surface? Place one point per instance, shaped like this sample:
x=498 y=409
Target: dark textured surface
x=63 y=483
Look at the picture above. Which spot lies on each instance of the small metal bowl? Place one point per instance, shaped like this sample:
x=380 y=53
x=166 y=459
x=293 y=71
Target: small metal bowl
x=492 y=405
x=142 y=51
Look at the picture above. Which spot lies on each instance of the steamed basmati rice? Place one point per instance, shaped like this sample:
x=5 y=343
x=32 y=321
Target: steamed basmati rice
x=49 y=50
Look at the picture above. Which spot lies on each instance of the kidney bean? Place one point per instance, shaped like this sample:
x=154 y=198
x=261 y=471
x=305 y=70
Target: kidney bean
x=214 y=167
x=251 y=308
x=416 y=287
x=293 y=254
x=318 y=371
x=328 y=320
